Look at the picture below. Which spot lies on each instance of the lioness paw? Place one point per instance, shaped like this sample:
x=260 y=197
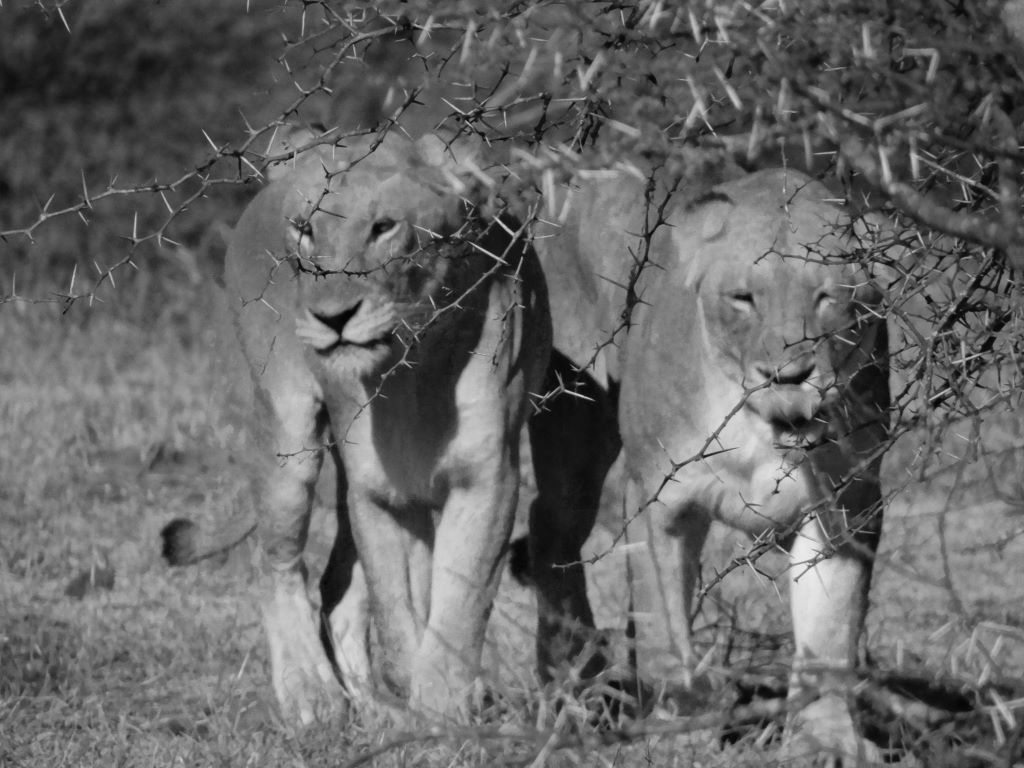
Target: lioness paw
x=306 y=699
x=304 y=680
x=824 y=731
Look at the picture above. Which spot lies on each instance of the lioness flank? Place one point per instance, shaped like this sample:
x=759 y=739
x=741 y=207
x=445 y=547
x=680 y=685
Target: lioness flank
x=753 y=391
x=389 y=324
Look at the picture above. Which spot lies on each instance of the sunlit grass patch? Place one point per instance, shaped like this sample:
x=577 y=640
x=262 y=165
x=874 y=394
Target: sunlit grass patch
x=110 y=430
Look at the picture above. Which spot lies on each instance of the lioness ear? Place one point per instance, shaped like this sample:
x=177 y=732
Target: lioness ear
x=290 y=138
x=434 y=150
x=711 y=213
x=299 y=238
x=715 y=213
x=457 y=167
x=459 y=152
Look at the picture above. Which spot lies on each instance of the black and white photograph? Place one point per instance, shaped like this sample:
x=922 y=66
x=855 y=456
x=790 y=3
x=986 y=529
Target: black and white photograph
x=513 y=383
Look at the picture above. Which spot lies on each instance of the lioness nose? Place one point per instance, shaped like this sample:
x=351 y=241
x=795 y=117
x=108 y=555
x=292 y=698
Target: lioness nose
x=335 y=317
x=794 y=371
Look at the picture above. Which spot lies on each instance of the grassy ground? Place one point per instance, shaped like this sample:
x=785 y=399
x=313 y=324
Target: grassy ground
x=110 y=430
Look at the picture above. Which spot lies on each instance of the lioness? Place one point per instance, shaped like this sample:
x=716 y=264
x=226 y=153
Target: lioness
x=386 y=322
x=753 y=391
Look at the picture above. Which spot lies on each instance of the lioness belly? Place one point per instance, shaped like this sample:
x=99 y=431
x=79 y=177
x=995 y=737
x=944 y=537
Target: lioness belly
x=435 y=427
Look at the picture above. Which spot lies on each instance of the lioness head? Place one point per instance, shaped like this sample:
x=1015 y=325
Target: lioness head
x=785 y=311
x=377 y=242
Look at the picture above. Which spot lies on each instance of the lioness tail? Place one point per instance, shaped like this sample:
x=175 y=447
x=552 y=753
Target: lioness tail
x=185 y=543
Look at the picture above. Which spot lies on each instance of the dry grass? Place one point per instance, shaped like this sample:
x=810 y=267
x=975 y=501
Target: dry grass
x=110 y=430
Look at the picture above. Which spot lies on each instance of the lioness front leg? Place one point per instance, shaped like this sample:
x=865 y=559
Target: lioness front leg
x=470 y=545
x=303 y=677
x=344 y=601
x=828 y=600
x=395 y=545
x=664 y=543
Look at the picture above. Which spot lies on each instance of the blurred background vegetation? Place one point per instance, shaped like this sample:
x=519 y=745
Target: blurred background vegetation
x=125 y=93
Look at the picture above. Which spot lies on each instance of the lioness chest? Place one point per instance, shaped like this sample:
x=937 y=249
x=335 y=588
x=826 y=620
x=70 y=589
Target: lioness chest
x=755 y=480
x=442 y=418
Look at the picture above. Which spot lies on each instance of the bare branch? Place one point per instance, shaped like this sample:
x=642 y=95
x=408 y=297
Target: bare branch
x=1005 y=234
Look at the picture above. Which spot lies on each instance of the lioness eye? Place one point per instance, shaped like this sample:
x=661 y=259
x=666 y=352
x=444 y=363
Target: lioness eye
x=302 y=236
x=826 y=301
x=302 y=227
x=382 y=227
x=742 y=300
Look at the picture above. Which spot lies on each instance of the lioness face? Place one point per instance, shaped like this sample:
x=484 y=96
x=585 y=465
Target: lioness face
x=373 y=267
x=794 y=330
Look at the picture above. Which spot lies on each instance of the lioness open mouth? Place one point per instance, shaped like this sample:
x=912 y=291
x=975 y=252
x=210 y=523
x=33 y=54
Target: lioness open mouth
x=797 y=424
x=804 y=426
x=793 y=410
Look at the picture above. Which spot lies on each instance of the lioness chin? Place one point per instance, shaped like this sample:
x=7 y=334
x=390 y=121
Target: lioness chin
x=751 y=389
